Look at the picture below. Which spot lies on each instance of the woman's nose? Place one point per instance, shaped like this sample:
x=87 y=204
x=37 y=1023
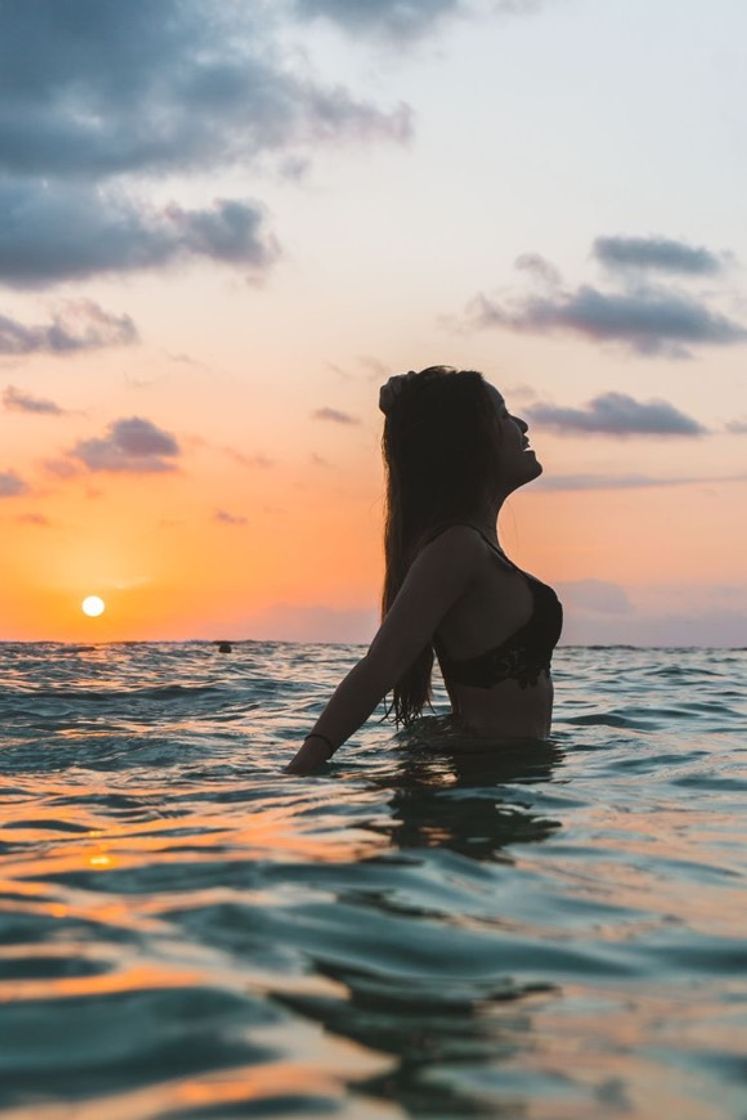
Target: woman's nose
x=522 y=424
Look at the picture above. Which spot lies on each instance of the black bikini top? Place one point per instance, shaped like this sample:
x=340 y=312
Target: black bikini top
x=525 y=654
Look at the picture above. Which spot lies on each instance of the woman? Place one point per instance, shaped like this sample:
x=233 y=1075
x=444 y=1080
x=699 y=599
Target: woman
x=453 y=454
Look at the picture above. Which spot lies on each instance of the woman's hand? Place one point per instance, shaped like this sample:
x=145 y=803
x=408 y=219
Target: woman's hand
x=312 y=754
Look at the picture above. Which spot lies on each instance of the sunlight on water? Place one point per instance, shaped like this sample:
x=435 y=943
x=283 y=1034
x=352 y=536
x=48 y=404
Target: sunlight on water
x=431 y=927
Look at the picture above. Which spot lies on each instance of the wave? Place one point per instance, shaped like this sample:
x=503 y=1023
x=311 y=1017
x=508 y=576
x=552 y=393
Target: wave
x=104 y=695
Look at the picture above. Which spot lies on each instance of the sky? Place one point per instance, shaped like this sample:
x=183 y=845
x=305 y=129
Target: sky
x=225 y=224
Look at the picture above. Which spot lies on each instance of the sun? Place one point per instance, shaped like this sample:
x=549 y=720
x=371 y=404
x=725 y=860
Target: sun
x=93 y=606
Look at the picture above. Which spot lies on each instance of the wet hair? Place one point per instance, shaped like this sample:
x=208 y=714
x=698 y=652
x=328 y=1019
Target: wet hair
x=440 y=448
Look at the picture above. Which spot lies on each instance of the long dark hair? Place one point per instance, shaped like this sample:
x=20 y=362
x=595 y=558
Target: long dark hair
x=440 y=455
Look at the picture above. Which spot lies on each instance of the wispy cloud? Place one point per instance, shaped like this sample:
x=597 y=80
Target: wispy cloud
x=225 y=518
x=135 y=445
x=628 y=481
x=76 y=326
x=36 y=519
x=342 y=373
x=17 y=401
x=335 y=416
x=12 y=485
x=61 y=468
x=376 y=369
x=187 y=360
x=737 y=427
x=687 y=624
x=595 y=595
x=539 y=269
x=312 y=622
x=616 y=414
x=660 y=254
x=257 y=460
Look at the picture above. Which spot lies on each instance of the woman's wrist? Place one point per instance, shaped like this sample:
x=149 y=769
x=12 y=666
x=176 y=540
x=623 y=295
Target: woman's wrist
x=331 y=748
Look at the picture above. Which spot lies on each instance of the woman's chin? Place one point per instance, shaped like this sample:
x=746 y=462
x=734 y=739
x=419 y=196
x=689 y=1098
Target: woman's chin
x=531 y=468
x=535 y=468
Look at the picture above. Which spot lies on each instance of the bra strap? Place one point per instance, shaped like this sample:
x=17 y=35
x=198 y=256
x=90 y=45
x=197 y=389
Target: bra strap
x=495 y=548
x=450 y=524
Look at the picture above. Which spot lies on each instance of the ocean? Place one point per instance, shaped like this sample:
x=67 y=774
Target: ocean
x=430 y=927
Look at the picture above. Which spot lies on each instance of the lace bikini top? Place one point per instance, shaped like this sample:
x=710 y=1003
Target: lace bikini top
x=525 y=654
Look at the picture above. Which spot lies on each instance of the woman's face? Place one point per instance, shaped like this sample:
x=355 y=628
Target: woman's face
x=518 y=462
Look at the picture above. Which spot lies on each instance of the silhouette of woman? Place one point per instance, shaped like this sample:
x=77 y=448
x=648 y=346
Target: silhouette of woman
x=453 y=453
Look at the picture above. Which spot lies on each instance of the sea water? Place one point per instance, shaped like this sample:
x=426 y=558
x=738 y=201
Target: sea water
x=427 y=928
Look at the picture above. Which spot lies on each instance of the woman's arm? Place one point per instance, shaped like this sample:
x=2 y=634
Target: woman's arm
x=438 y=576
x=350 y=705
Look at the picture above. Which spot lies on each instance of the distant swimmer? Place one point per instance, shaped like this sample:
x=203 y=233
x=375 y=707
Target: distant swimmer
x=453 y=453
x=224 y=647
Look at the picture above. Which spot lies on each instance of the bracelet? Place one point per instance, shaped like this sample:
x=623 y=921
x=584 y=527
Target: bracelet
x=316 y=735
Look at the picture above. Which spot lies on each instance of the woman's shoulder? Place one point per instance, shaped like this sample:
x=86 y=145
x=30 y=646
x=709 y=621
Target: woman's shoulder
x=466 y=543
x=457 y=531
x=448 y=545
x=450 y=534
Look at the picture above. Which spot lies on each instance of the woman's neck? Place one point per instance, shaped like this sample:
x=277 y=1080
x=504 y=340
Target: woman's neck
x=486 y=520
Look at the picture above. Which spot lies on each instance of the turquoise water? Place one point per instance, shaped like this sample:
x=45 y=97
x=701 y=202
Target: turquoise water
x=428 y=928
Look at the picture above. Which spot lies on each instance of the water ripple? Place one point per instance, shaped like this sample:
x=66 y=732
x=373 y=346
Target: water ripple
x=432 y=927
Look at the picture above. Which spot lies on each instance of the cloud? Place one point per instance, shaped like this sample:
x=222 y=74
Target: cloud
x=661 y=254
x=59 y=232
x=225 y=518
x=95 y=89
x=34 y=519
x=616 y=414
x=737 y=427
x=643 y=318
x=186 y=360
x=627 y=481
x=712 y=628
x=93 y=92
x=132 y=444
x=301 y=622
x=595 y=595
x=668 y=614
x=11 y=485
x=60 y=468
x=402 y=21
x=343 y=373
x=377 y=370
x=78 y=325
x=257 y=460
x=649 y=321
x=539 y=269
x=405 y=19
x=230 y=232
x=17 y=401
x=334 y=415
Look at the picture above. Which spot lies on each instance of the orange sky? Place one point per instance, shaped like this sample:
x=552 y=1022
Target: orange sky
x=374 y=234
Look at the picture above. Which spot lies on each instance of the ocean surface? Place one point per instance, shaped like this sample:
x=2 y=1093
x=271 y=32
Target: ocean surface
x=428 y=928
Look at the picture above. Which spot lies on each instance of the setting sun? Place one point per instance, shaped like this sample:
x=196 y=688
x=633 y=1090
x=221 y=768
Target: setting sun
x=93 y=606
